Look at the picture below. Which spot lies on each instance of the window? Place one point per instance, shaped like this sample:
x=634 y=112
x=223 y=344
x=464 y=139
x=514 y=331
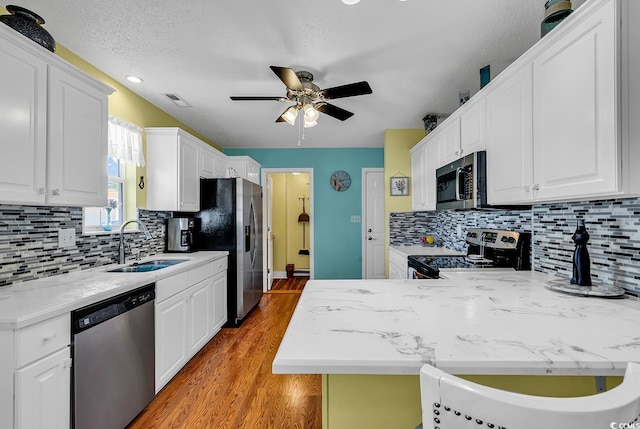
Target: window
x=95 y=218
x=125 y=145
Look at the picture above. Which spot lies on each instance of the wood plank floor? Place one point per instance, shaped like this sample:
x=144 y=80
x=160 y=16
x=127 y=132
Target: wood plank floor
x=295 y=284
x=229 y=384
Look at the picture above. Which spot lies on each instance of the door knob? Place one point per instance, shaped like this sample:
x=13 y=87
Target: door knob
x=369 y=230
x=370 y=238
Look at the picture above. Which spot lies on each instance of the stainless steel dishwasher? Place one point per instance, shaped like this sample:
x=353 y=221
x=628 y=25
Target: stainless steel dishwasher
x=113 y=360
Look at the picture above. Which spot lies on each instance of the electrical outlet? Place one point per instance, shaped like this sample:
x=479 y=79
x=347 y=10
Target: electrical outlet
x=356 y=219
x=66 y=237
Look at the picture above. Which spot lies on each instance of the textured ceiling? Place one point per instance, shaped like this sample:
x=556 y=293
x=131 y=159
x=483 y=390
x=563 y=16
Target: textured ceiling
x=416 y=55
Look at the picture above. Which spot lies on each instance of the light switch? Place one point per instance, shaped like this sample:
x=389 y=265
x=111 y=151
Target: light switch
x=356 y=219
x=66 y=237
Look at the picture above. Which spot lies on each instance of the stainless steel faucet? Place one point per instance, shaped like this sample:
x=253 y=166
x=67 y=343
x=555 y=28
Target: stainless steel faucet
x=147 y=236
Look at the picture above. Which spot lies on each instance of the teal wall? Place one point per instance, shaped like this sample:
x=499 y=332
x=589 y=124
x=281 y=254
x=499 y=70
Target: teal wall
x=337 y=242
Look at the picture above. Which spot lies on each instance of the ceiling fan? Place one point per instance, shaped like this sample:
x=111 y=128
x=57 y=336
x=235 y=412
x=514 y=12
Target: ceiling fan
x=309 y=98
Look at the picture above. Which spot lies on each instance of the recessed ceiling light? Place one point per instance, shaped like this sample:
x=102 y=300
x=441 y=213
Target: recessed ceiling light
x=350 y=2
x=134 y=79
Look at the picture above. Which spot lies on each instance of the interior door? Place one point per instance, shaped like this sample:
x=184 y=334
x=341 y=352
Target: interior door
x=373 y=224
x=269 y=229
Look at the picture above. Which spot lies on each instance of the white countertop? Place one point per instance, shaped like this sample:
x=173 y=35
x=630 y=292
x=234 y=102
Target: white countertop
x=427 y=251
x=23 y=304
x=471 y=323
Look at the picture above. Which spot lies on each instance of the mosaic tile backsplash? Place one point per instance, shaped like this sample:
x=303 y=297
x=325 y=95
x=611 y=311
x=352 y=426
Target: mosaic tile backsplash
x=29 y=242
x=613 y=225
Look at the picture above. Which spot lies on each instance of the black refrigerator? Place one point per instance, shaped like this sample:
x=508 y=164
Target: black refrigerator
x=230 y=218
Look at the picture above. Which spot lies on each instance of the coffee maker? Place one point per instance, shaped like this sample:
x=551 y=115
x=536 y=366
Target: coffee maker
x=180 y=234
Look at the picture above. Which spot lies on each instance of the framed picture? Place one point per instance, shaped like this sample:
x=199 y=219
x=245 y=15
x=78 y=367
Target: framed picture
x=399 y=185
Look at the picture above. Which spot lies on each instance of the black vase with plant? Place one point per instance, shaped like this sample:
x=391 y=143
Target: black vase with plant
x=29 y=24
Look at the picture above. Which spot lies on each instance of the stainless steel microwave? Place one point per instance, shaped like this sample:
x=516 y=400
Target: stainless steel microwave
x=462 y=184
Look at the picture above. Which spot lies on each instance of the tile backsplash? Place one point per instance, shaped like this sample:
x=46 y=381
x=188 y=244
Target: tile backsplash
x=29 y=242
x=613 y=225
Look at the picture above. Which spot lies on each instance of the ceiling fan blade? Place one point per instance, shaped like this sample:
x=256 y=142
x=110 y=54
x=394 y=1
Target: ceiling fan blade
x=279 y=98
x=350 y=90
x=335 y=111
x=288 y=77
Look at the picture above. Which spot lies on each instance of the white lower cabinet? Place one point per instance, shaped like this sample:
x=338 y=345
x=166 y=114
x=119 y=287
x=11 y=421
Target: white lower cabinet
x=200 y=310
x=35 y=375
x=397 y=265
x=219 y=298
x=171 y=339
x=191 y=308
x=43 y=392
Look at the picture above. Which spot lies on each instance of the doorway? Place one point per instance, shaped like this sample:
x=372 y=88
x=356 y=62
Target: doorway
x=373 y=222
x=288 y=223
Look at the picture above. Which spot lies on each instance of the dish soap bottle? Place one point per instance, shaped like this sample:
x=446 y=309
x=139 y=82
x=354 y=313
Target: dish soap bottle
x=581 y=261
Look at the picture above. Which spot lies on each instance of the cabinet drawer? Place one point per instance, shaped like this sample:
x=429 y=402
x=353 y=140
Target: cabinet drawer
x=200 y=273
x=41 y=339
x=170 y=286
x=397 y=258
x=218 y=265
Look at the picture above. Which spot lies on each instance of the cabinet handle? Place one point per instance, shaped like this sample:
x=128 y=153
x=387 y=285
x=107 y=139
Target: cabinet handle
x=42 y=191
x=55 y=192
x=48 y=337
x=536 y=187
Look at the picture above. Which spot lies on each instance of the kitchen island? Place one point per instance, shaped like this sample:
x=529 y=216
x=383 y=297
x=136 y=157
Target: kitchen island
x=369 y=339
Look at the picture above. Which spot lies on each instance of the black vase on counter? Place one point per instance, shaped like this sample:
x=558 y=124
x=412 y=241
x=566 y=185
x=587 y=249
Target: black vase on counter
x=29 y=24
x=581 y=260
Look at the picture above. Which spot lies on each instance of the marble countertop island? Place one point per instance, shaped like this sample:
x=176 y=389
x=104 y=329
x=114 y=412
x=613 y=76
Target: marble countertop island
x=471 y=323
x=23 y=304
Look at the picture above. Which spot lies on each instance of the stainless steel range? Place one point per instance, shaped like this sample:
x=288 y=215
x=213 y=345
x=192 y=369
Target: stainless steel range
x=486 y=249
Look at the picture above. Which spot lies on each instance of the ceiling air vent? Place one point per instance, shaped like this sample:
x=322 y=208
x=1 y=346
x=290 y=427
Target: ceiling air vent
x=176 y=99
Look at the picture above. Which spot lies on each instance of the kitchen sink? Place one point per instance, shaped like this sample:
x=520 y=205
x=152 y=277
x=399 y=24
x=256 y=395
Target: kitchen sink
x=145 y=267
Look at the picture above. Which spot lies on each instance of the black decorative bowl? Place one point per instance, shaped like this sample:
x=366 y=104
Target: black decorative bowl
x=29 y=24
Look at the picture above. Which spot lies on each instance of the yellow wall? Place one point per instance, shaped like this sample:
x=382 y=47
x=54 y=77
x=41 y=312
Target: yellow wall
x=288 y=188
x=397 y=162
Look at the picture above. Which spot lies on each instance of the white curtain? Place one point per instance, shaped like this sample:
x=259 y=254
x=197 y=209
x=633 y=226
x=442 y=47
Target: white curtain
x=125 y=141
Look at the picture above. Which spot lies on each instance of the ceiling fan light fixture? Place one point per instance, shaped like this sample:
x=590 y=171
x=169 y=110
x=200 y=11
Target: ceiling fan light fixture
x=310 y=113
x=309 y=124
x=290 y=115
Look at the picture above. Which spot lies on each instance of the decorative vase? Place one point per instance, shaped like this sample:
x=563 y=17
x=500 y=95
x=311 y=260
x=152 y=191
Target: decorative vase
x=555 y=12
x=29 y=24
x=106 y=226
x=430 y=122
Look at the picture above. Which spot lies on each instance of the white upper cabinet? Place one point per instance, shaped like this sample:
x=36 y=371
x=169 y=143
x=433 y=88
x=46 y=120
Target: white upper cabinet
x=510 y=139
x=418 y=177
x=173 y=170
x=472 y=127
x=53 y=126
x=77 y=141
x=212 y=163
x=245 y=167
x=449 y=139
x=575 y=119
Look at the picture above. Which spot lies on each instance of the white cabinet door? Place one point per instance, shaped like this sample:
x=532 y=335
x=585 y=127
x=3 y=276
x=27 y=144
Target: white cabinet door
x=77 y=141
x=432 y=162
x=171 y=321
x=189 y=178
x=449 y=137
x=199 y=305
x=509 y=139
x=576 y=149
x=43 y=393
x=219 y=298
x=418 y=183
x=207 y=162
x=23 y=125
x=472 y=127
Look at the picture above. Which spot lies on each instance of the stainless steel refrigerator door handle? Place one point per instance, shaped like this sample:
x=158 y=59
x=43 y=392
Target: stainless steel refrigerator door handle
x=254 y=250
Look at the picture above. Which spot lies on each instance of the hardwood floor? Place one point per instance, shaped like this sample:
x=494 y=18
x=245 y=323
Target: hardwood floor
x=229 y=384
x=294 y=284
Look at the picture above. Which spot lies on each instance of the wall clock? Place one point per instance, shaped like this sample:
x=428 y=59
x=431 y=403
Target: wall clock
x=340 y=181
